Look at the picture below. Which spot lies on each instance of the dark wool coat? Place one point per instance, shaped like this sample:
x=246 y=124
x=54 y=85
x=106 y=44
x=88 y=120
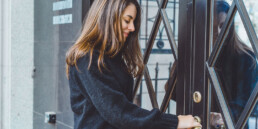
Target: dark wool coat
x=104 y=100
x=238 y=75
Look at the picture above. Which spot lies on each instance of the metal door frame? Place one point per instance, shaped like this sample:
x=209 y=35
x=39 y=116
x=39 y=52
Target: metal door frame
x=193 y=51
x=196 y=61
x=237 y=5
x=193 y=69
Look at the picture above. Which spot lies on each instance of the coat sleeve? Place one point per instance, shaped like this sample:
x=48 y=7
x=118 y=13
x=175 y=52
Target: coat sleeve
x=113 y=106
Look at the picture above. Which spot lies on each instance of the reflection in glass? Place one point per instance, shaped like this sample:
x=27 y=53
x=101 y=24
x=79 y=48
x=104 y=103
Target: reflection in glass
x=252 y=10
x=159 y=63
x=161 y=57
x=149 y=12
x=172 y=12
x=252 y=122
x=228 y=1
x=236 y=66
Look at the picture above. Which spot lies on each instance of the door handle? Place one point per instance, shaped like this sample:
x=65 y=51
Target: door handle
x=198 y=119
x=222 y=127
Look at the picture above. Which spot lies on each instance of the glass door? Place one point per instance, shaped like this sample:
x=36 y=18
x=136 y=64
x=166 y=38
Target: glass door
x=213 y=73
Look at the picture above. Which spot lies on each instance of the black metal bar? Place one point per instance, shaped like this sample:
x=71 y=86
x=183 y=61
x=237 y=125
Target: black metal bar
x=248 y=108
x=199 y=81
x=222 y=36
x=156 y=79
x=189 y=88
x=146 y=28
x=171 y=83
x=169 y=74
x=136 y=84
x=207 y=91
x=248 y=25
x=210 y=26
x=169 y=68
x=157 y=3
x=141 y=95
x=220 y=97
x=150 y=44
x=168 y=107
x=150 y=88
x=159 y=79
x=163 y=4
x=174 y=18
x=169 y=33
x=184 y=50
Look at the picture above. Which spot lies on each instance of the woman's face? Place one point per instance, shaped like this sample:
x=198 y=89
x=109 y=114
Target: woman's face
x=222 y=19
x=218 y=23
x=128 y=18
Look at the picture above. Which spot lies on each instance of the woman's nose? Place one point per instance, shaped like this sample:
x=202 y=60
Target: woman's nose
x=131 y=27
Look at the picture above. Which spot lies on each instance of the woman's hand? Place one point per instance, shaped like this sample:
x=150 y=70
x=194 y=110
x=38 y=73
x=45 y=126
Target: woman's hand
x=216 y=119
x=187 y=121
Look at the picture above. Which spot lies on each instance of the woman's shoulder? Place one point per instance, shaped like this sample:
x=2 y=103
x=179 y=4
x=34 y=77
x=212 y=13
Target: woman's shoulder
x=248 y=55
x=248 y=59
x=93 y=60
x=88 y=58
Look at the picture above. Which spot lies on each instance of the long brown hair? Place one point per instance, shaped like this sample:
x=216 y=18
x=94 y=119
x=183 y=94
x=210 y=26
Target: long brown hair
x=102 y=31
x=233 y=42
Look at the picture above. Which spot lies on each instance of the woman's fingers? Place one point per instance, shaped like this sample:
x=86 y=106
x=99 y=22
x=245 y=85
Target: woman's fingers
x=216 y=119
x=197 y=124
x=187 y=121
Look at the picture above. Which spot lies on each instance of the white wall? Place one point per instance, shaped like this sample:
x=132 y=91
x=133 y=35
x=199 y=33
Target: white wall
x=22 y=46
x=5 y=61
x=17 y=51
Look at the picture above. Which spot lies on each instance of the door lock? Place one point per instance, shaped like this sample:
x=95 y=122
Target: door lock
x=197 y=97
x=197 y=119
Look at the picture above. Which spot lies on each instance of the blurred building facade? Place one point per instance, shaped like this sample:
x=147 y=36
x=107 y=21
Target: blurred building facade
x=34 y=37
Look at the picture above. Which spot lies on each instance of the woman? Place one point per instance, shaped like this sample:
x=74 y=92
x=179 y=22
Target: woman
x=236 y=67
x=101 y=66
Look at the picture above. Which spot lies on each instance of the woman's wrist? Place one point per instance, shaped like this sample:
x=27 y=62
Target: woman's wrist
x=187 y=121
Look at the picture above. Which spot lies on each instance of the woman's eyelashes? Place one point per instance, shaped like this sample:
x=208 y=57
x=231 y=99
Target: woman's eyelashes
x=127 y=21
